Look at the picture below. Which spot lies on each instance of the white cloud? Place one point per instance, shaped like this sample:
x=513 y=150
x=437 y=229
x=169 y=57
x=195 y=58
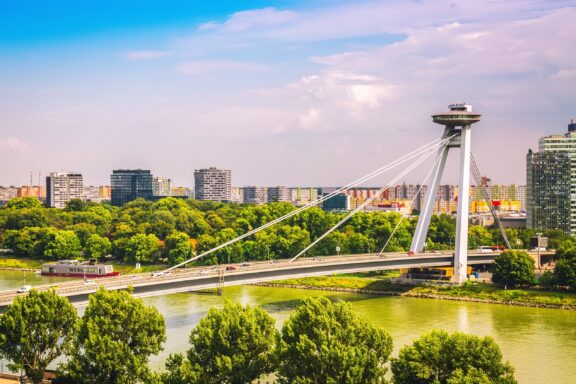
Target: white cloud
x=14 y=144
x=246 y=20
x=195 y=67
x=148 y=55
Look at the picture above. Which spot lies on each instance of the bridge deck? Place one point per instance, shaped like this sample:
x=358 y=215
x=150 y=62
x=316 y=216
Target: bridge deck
x=198 y=278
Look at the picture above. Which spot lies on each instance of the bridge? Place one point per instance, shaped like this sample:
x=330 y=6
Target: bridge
x=212 y=277
x=457 y=134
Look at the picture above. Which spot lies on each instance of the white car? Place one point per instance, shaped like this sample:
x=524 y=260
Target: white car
x=24 y=288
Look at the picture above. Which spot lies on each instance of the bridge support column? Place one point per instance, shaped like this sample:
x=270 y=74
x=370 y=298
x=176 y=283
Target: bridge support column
x=461 y=254
x=421 y=231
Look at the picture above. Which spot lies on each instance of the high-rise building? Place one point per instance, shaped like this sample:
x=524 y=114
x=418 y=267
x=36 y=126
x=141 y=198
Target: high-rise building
x=161 y=186
x=61 y=187
x=277 y=194
x=213 y=184
x=551 y=183
x=130 y=184
x=254 y=195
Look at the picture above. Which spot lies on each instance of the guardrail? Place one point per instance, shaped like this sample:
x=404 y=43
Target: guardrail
x=145 y=279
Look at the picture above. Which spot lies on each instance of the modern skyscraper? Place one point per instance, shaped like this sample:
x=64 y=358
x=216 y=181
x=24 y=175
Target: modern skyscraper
x=551 y=183
x=62 y=187
x=161 y=186
x=130 y=184
x=213 y=184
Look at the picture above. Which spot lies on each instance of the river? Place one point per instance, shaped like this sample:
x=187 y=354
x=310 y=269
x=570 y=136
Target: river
x=540 y=343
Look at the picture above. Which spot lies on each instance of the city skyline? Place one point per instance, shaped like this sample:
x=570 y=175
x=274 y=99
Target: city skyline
x=282 y=93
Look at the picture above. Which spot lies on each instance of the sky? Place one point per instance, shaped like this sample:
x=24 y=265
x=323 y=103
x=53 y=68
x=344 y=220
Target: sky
x=291 y=92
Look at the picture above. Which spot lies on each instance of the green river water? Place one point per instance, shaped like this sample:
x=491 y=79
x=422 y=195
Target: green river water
x=540 y=343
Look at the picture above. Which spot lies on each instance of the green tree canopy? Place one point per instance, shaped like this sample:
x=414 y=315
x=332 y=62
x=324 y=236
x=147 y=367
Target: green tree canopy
x=233 y=345
x=97 y=246
x=141 y=248
x=35 y=330
x=326 y=343
x=512 y=268
x=24 y=202
x=63 y=245
x=116 y=336
x=458 y=358
x=565 y=271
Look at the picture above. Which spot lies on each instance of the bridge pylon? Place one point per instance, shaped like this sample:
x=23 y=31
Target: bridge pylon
x=457 y=124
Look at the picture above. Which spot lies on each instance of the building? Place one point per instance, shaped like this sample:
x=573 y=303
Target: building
x=91 y=193
x=550 y=187
x=254 y=195
x=130 y=184
x=161 y=186
x=31 y=191
x=104 y=192
x=549 y=183
x=213 y=184
x=338 y=202
x=7 y=194
x=62 y=187
x=182 y=192
x=279 y=193
x=300 y=196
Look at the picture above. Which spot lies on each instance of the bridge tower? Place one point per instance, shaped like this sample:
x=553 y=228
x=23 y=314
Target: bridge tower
x=457 y=124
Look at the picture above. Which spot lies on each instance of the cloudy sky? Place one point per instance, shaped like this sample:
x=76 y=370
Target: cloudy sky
x=314 y=92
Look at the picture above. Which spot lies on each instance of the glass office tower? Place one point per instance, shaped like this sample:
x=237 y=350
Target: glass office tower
x=130 y=184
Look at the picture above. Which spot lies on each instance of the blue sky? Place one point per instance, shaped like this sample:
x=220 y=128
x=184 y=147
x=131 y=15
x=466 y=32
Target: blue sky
x=287 y=92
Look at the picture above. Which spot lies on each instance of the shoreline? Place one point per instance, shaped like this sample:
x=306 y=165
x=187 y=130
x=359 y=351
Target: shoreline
x=421 y=296
x=15 y=269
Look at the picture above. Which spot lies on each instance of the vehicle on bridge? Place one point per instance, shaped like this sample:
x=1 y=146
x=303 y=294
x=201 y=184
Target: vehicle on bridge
x=490 y=248
x=74 y=268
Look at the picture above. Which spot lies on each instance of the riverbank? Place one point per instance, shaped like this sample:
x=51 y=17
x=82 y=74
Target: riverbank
x=478 y=293
x=24 y=265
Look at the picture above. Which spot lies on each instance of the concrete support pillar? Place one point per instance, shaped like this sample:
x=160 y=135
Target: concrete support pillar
x=461 y=255
x=421 y=231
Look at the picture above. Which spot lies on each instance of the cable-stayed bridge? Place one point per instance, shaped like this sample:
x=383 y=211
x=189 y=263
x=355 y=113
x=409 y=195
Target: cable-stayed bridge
x=214 y=277
x=457 y=124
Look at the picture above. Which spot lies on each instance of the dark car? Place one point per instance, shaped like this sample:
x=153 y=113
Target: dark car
x=230 y=268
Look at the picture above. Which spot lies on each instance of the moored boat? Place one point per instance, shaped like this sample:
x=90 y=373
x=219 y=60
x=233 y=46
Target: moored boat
x=74 y=268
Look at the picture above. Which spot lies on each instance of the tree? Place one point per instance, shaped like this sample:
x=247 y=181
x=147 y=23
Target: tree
x=63 y=245
x=179 y=370
x=35 y=330
x=458 y=358
x=325 y=342
x=24 y=202
x=97 y=246
x=512 y=268
x=141 y=248
x=116 y=336
x=565 y=272
x=233 y=345
x=75 y=205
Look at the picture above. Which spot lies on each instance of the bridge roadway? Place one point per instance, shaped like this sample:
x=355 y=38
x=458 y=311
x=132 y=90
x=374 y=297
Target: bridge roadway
x=206 y=277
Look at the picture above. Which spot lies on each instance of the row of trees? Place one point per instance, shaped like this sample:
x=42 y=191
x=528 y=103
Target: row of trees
x=516 y=268
x=321 y=342
x=170 y=230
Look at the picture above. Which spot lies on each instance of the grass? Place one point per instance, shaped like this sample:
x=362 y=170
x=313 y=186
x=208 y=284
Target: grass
x=20 y=262
x=349 y=281
x=482 y=291
x=491 y=292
